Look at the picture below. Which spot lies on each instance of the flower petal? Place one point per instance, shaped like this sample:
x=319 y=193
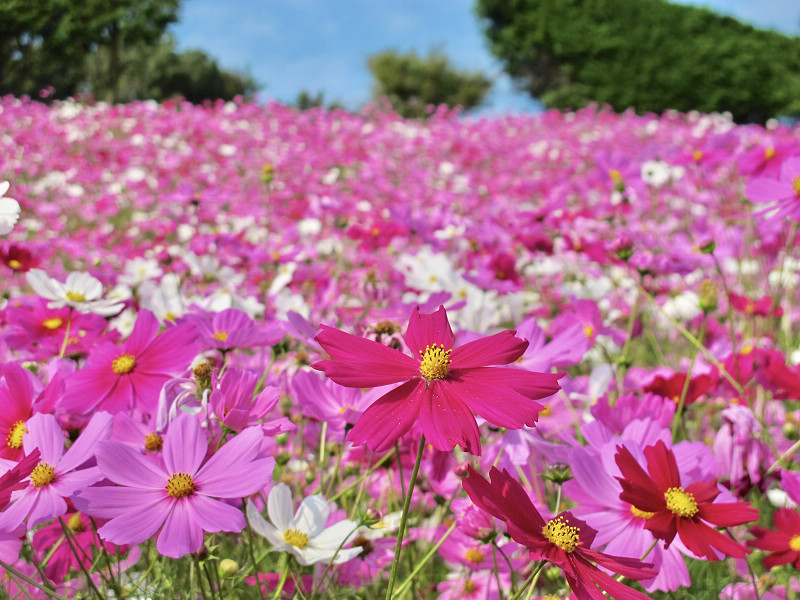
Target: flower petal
x=428 y=329
x=498 y=349
x=447 y=421
x=390 y=417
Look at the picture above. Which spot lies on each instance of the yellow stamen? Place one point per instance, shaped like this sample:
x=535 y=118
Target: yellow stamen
x=589 y=331
x=615 y=175
x=123 y=364
x=435 y=362
x=43 y=475
x=681 y=502
x=153 y=442
x=697 y=154
x=180 y=485
x=14 y=438
x=546 y=412
x=796 y=185
x=14 y=264
x=794 y=543
x=642 y=514
x=295 y=538
x=474 y=555
x=221 y=336
x=75 y=523
x=75 y=296
x=769 y=152
x=470 y=586
x=53 y=323
x=559 y=532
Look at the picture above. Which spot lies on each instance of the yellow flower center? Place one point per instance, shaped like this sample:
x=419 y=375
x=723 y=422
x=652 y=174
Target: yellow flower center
x=153 y=442
x=14 y=438
x=14 y=264
x=794 y=543
x=124 y=363
x=474 y=555
x=796 y=185
x=615 y=175
x=681 y=502
x=546 y=412
x=295 y=538
x=435 y=362
x=221 y=336
x=589 y=331
x=559 y=532
x=170 y=316
x=180 y=485
x=75 y=523
x=470 y=586
x=43 y=475
x=697 y=154
x=53 y=323
x=642 y=514
x=76 y=296
x=769 y=152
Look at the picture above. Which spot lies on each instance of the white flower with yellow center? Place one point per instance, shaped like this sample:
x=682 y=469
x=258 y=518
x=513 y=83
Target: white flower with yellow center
x=304 y=534
x=81 y=291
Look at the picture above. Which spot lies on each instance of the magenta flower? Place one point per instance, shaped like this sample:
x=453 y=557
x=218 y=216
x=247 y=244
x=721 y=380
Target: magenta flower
x=58 y=474
x=443 y=386
x=119 y=378
x=232 y=328
x=781 y=195
x=179 y=498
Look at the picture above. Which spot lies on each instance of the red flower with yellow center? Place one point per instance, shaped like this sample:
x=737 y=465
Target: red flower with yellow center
x=688 y=512
x=784 y=543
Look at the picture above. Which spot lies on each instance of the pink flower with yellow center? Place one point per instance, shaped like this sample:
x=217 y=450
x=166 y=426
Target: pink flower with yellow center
x=780 y=196
x=445 y=386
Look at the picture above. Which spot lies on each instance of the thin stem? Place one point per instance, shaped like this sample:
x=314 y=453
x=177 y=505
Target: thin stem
x=407 y=582
x=89 y=580
x=404 y=518
x=282 y=582
x=530 y=580
x=66 y=335
x=252 y=551
x=682 y=401
x=30 y=581
x=783 y=457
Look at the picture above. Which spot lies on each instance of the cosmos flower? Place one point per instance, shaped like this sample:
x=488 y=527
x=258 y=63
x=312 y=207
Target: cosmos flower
x=783 y=543
x=782 y=195
x=443 y=386
x=304 y=535
x=671 y=509
x=9 y=210
x=179 y=498
x=81 y=291
x=565 y=541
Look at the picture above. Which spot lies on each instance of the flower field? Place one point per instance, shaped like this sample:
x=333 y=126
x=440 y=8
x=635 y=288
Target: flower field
x=253 y=352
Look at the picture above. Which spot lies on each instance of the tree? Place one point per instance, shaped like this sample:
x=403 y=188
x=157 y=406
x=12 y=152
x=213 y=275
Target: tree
x=647 y=54
x=411 y=83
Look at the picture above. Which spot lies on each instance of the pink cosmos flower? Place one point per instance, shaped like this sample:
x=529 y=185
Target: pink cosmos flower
x=781 y=195
x=58 y=475
x=118 y=378
x=443 y=386
x=179 y=498
x=232 y=328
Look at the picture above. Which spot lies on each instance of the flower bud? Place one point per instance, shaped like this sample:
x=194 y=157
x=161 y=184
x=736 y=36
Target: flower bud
x=709 y=296
x=228 y=567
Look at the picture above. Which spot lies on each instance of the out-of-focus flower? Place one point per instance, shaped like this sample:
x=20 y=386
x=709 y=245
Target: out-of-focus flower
x=783 y=543
x=9 y=210
x=304 y=534
x=81 y=291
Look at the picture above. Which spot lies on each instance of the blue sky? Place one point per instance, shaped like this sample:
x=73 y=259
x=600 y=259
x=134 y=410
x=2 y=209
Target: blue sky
x=323 y=45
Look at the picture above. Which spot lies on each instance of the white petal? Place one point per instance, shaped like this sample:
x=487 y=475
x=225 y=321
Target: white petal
x=311 y=516
x=279 y=507
x=41 y=284
x=4 y=185
x=261 y=527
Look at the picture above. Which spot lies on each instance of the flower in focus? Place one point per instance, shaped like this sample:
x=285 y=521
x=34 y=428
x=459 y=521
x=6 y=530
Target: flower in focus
x=9 y=210
x=564 y=540
x=81 y=291
x=304 y=534
x=674 y=510
x=12 y=480
x=443 y=386
x=784 y=542
x=118 y=378
x=179 y=497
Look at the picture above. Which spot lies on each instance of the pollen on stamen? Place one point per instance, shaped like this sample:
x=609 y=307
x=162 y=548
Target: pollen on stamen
x=435 y=362
x=123 y=364
x=153 y=442
x=794 y=543
x=474 y=555
x=221 y=336
x=796 y=185
x=14 y=438
x=180 y=485
x=76 y=297
x=295 y=538
x=559 y=532
x=642 y=514
x=52 y=323
x=43 y=475
x=681 y=502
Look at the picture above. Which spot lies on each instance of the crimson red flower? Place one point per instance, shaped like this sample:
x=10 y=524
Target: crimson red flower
x=564 y=540
x=672 y=387
x=12 y=480
x=18 y=258
x=670 y=509
x=443 y=386
x=761 y=307
x=783 y=543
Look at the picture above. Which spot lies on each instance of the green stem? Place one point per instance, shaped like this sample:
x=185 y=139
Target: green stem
x=404 y=519
x=252 y=551
x=30 y=581
x=783 y=457
x=65 y=343
x=682 y=401
x=407 y=582
x=530 y=581
x=282 y=582
x=89 y=580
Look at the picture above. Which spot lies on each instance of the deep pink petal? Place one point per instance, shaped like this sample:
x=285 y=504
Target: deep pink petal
x=728 y=514
x=763 y=189
x=359 y=362
x=498 y=349
x=787 y=520
x=185 y=445
x=638 y=488
x=500 y=406
x=527 y=383
x=181 y=534
x=700 y=538
x=662 y=466
x=428 y=329
x=446 y=421
x=390 y=417
x=144 y=330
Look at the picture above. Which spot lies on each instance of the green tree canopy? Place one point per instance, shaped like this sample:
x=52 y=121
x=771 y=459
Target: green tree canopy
x=650 y=55
x=411 y=83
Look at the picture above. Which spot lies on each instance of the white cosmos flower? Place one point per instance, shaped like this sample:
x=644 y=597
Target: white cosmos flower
x=9 y=210
x=304 y=534
x=81 y=291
